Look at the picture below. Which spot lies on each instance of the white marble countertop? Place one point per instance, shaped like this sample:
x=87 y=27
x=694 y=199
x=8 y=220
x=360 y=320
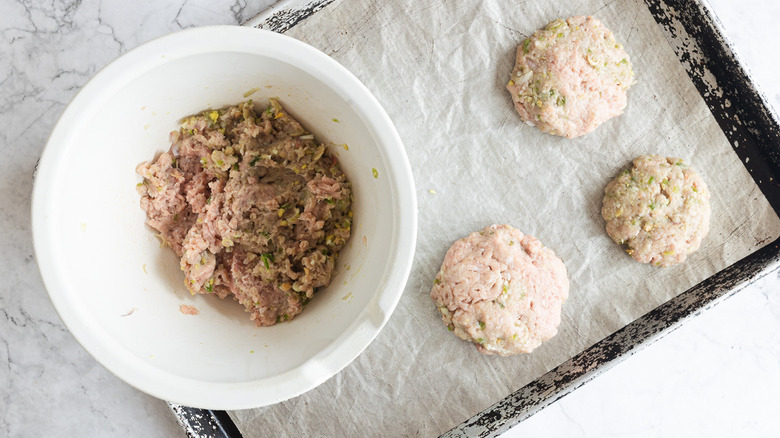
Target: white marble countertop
x=718 y=375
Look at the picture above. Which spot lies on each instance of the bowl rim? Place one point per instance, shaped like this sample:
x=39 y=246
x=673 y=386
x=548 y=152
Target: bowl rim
x=142 y=374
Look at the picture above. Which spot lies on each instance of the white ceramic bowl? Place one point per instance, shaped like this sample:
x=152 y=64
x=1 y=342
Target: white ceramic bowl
x=119 y=292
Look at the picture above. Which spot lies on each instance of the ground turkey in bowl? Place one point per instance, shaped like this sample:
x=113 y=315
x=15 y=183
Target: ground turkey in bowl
x=570 y=77
x=253 y=205
x=502 y=290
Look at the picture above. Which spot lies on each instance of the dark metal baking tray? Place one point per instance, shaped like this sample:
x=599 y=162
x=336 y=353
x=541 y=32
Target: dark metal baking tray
x=751 y=127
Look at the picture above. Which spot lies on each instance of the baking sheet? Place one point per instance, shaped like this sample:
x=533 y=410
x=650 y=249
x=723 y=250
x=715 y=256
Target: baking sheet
x=439 y=70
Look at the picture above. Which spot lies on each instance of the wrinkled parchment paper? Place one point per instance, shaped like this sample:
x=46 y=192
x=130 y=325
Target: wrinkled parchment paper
x=439 y=69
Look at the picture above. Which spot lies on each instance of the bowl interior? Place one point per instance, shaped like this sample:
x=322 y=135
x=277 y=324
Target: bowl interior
x=110 y=270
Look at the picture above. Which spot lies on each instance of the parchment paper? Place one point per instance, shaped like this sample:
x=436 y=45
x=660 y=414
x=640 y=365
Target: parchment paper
x=439 y=69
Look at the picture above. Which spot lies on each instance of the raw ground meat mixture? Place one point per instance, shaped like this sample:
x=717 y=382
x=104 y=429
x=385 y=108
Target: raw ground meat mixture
x=253 y=205
x=570 y=77
x=659 y=209
x=502 y=290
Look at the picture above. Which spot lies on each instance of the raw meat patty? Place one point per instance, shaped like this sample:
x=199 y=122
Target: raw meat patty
x=659 y=209
x=253 y=205
x=502 y=290
x=570 y=77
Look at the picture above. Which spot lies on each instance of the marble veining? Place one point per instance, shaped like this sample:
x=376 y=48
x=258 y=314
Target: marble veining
x=49 y=386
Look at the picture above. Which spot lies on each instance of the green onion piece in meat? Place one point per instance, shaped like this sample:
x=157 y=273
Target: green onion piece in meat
x=266 y=258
